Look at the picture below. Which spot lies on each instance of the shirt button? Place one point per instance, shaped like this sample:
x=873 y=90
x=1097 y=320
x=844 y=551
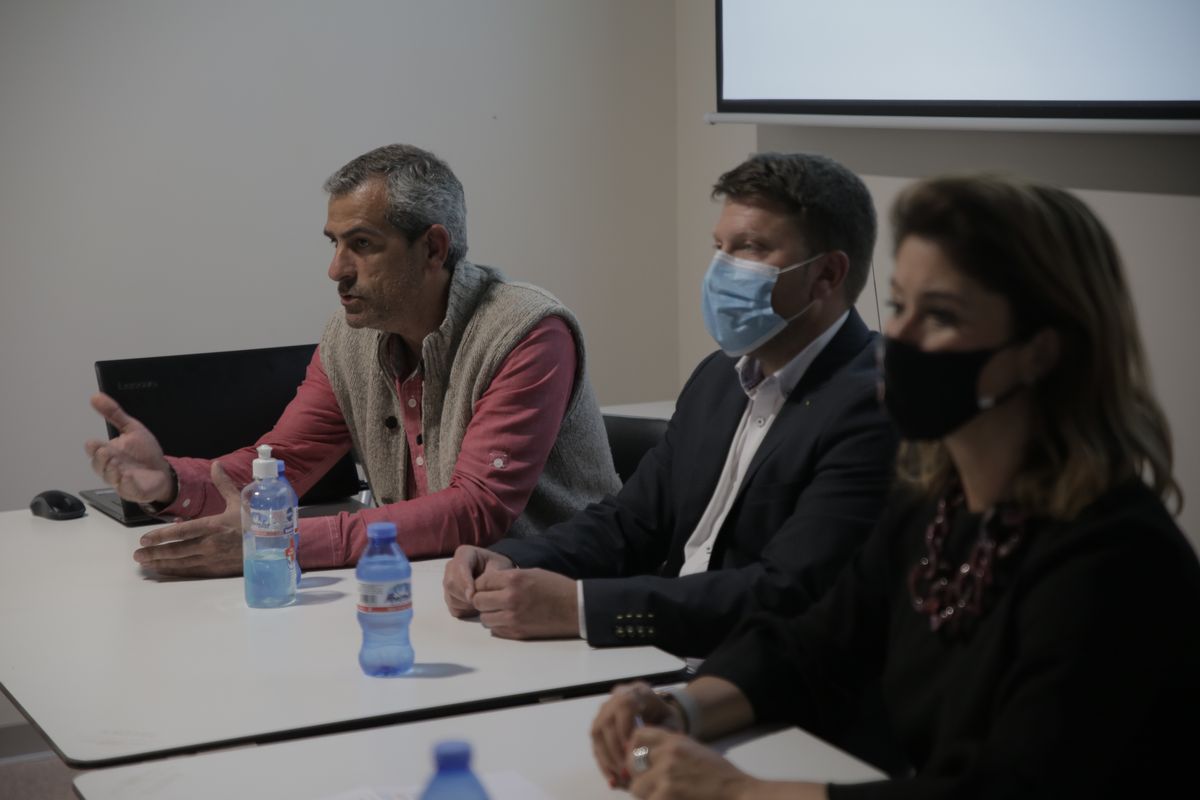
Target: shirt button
x=412 y=402
x=420 y=461
x=760 y=422
x=187 y=502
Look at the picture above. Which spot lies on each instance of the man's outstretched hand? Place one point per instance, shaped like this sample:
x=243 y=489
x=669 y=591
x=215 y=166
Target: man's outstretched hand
x=133 y=462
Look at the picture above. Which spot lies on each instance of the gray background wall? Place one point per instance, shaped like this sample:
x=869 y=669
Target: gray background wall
x=160 y=170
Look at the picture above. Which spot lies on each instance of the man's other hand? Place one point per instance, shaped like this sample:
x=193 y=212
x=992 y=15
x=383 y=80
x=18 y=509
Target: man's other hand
x=209 y=547
x=527 y=604
x=458 y=581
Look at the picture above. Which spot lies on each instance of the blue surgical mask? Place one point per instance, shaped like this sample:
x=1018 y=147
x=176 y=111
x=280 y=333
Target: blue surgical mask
x=737 y=302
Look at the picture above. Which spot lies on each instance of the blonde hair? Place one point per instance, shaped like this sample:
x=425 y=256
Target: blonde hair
x=1098 y=423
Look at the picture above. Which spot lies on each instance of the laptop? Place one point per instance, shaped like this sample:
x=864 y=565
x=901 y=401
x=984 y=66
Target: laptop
x=205 y=405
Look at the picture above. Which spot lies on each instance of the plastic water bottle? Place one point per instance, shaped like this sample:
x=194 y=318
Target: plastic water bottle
x=454 y=779
x=384 y=604
x=295 y=516
x=268 y=523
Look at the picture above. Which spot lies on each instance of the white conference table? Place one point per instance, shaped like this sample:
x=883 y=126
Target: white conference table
x=546 y=746
x=113 y=664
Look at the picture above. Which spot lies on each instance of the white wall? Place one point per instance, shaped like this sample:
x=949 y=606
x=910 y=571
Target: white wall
x=161 y=164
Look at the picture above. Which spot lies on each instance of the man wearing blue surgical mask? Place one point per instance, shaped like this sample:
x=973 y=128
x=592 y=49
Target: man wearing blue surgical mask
x=774 y=465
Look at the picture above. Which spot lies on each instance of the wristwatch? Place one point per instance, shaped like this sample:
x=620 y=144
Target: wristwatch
x=689 y=711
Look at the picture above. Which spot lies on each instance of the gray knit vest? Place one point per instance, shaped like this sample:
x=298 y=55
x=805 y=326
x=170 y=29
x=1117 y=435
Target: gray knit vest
x=486 y=316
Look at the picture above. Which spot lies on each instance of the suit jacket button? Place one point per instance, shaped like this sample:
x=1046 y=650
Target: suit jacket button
x=391 y=423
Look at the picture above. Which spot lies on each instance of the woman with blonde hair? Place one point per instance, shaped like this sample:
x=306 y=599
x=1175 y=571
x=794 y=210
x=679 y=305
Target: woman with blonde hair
x=1027 y=603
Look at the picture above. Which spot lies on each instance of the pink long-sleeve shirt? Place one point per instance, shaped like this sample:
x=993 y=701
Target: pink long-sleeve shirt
x=518 y=415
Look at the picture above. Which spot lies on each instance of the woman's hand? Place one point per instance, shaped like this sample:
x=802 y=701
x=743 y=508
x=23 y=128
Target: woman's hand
x=678 y=767
x=630 y=706
x=671 y=766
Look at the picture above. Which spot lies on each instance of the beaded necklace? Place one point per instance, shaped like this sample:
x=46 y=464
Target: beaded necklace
x=949 y=594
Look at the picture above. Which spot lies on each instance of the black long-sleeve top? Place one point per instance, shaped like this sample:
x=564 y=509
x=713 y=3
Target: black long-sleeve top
x=1081 y=678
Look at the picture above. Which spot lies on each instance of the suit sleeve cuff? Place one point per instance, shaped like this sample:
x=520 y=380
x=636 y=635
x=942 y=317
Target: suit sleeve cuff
x=614 y=614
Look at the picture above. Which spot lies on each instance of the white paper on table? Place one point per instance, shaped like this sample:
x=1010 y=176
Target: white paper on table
x=505 y=785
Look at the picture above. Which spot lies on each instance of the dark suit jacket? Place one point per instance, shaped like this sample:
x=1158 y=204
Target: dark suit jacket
x=809 y=498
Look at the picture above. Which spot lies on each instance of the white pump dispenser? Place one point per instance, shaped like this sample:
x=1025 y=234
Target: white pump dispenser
x=264 y=466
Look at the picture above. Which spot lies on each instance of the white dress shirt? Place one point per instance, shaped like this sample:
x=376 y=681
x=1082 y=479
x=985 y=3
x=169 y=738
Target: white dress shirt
x=766 y=396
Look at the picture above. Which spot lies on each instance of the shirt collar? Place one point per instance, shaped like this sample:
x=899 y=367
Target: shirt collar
x=398 y=362
x=750 y=373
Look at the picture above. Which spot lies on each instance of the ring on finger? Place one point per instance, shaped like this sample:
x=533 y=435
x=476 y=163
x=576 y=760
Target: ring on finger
x=641 y=758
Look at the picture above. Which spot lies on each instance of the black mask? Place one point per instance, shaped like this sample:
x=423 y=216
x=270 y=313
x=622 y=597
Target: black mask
x=930 y=394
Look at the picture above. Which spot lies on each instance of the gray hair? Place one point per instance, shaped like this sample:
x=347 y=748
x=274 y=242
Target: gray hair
x=422 y=191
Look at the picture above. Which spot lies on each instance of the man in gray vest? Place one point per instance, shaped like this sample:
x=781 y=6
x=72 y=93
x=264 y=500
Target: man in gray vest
x=464 y=394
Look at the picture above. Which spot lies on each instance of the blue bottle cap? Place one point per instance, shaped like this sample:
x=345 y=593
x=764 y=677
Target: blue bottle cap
x=452 y=754
x=381 y=530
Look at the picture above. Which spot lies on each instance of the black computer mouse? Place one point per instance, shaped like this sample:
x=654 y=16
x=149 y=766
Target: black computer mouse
x=57 y=504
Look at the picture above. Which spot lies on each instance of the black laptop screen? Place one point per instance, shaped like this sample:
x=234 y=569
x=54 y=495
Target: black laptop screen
x=205 y=405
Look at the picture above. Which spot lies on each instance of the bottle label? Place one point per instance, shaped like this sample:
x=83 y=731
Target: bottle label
x=272 y=531
x=376 y=598
x=273 y=522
